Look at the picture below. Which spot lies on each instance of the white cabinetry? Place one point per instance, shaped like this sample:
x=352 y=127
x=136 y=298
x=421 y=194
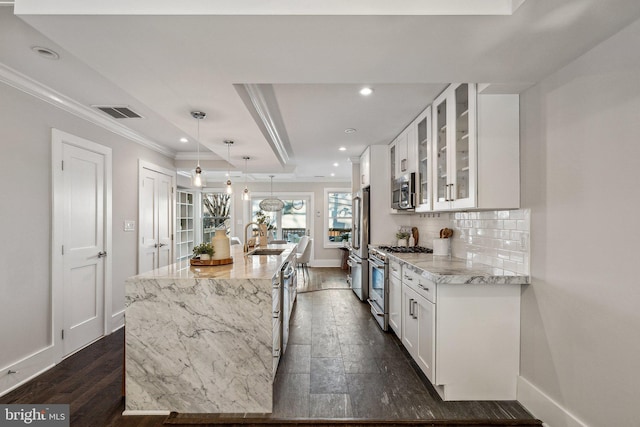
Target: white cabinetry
x=424 y=189
x=403 y=152
x=365 y=168
x=395 y=298
x=184 y=225
x=465 y=338
x=419 y=321
x=475 y=149
x=478 y=341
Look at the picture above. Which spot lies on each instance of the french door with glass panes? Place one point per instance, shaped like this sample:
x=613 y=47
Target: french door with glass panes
x=454 y=152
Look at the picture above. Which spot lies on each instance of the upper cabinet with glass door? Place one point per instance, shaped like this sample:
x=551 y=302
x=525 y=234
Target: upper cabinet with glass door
x=476 y=149
x=454 y=114
x=424 y=189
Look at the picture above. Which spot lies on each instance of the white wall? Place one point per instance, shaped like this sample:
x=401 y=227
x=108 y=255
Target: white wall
x=580 y=143
x=25 y=198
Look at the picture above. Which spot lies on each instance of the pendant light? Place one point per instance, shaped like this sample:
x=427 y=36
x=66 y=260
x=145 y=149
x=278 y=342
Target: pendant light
x=197 y=179
x=246 y=195
x=229 y=143
x=272 y=204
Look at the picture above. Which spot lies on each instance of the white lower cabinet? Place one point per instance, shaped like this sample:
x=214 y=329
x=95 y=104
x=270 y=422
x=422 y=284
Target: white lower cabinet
x=464 y=337
x=419 y=326
x=395 y=298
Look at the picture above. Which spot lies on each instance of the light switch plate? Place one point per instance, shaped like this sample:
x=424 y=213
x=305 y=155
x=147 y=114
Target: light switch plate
x=129 y=225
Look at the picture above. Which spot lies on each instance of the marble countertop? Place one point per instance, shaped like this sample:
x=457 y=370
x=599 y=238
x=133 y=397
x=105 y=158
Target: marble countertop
x=444 y=269
x=244 y=266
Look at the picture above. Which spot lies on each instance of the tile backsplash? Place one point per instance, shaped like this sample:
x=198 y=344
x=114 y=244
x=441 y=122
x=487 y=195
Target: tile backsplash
x=496 y=238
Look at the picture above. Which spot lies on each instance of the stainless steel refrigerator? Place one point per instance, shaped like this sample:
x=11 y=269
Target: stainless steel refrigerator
x=359 y=252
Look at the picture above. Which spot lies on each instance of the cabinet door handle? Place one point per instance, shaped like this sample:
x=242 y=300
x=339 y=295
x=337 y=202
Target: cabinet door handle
x=362 y=180
x=403 y=165
x=422 y=287
x=453 y=193
x=102 y=254
x=410 y=279
x=411 y=307
x=415 y=316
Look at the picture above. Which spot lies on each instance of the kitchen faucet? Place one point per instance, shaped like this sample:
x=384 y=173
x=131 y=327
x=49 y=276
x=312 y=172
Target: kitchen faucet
x=246 y=246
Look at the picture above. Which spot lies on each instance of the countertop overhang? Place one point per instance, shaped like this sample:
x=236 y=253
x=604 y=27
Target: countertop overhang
x=244 y=266
x=450 y=270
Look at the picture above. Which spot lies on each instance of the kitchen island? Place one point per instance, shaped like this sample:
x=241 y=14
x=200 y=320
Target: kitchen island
x=203 y=339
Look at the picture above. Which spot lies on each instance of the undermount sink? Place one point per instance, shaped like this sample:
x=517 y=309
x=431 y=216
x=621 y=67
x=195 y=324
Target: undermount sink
x=266 y=252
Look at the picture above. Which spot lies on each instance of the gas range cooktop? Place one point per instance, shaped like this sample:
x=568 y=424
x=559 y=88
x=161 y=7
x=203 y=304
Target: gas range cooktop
x=406 y=249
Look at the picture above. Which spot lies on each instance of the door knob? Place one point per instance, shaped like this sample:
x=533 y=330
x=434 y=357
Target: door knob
x=102 y=254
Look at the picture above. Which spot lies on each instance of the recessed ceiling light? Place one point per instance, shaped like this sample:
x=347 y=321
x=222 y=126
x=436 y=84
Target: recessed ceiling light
x=366 y=91
x=335 y=165
x=45 y=52
x=342 y=148
x=183 y=140
x=333 y=174
x=350 y=130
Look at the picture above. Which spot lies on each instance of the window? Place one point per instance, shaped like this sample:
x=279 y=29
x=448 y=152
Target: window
x=289 y=224
x=216 y=213
x=338 y=217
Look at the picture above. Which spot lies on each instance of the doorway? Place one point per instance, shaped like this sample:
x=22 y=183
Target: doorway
x=155 y=216
x=81 y=241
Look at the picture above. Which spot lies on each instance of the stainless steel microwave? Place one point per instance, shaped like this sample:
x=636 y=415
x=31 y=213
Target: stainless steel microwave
x=403 y=193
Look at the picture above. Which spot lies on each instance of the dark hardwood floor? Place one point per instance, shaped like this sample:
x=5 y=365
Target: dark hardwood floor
x=338 y=365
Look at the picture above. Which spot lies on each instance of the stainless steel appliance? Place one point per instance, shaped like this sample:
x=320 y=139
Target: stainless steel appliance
x=288 y=285
x=379 y=287
x=276 y=297
x=358 y=250
x=379 y=279
x=403 y=194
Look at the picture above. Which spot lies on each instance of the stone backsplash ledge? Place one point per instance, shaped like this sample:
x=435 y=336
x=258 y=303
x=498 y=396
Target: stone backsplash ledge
x=499 y=239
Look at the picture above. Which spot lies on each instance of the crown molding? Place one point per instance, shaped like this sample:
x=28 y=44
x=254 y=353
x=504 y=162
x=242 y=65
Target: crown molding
x=26 y=84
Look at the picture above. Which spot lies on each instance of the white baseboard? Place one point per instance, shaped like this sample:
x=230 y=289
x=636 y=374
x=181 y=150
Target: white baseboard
x=325 y=263
x=117 y=320
x=26 y=369
x=544 y=407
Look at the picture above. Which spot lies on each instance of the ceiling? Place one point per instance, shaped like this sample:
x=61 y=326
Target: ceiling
x=164 y=66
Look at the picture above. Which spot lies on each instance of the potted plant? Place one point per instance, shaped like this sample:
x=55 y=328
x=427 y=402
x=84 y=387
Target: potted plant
x=402 y=237
x=204 y=251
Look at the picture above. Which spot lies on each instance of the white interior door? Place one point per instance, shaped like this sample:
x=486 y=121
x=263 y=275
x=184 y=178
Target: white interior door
x=83 y=247
x=156 y=219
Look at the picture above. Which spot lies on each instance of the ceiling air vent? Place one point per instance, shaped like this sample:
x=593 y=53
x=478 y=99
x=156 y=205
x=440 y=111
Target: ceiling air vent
x=118 y=111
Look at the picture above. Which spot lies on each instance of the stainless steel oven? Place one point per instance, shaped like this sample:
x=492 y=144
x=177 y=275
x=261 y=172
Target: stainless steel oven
x=379 y=287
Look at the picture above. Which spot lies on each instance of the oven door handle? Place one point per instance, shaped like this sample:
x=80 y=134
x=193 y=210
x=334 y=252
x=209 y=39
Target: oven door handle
x=375 y=263
x=373 y=307
x=354 y=260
